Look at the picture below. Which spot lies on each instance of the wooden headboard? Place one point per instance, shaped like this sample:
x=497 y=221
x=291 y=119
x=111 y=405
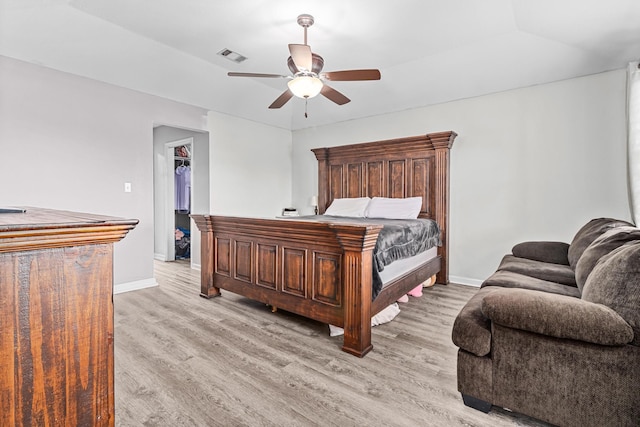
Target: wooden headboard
x=403 y=167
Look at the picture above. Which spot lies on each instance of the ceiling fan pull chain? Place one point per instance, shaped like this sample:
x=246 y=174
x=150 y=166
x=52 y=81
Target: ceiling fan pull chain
x=305 y=108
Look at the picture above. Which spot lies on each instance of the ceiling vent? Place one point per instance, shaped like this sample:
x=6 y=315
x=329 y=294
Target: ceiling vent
x=232 y=56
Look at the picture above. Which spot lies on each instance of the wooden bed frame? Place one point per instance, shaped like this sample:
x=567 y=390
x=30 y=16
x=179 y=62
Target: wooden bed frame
x=323 y=271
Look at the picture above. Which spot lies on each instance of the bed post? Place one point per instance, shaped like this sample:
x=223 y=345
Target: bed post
x=357 y=262
x=322 y=155
x=442 y=142
x=207 y=256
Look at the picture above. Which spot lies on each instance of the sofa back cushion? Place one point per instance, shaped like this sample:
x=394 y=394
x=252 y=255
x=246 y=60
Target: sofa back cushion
x=605 y=243
x=588 y=233
x=615 y=282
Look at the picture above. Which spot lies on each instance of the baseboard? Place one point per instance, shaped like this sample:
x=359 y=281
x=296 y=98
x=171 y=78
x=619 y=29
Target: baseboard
x=465 y=281
x=134 y=286
x=196 y=267
x=160 y=257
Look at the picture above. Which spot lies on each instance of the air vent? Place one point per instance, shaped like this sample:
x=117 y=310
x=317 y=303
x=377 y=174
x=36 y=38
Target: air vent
x=232 y=56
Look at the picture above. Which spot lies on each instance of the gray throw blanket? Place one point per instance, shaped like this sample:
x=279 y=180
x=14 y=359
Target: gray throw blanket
x=399 y=239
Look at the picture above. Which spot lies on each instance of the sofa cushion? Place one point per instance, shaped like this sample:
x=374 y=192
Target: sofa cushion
x=557 y=273
x=509 y=279
x=471 y=330
x=615 y=282
x=588 y=233
x=553 y=252
x=604 y=244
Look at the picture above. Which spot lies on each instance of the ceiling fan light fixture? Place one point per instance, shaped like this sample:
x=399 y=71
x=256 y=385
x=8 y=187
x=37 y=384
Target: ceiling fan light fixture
x=305 y=86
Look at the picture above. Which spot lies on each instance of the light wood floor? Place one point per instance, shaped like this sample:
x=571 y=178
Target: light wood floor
x=182 y=360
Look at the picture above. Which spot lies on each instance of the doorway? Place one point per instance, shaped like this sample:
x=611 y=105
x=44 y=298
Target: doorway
x=178 y=200
x=173 y=227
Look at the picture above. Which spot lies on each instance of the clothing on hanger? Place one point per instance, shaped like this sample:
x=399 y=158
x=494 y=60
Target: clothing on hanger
x=183 y=188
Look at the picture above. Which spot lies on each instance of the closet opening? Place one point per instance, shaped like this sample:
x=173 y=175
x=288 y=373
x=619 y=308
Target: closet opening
x=178 y=198
x=181 y=198
x=181 y=188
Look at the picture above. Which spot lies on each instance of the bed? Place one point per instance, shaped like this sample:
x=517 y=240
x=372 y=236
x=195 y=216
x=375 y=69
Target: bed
x=323 y=270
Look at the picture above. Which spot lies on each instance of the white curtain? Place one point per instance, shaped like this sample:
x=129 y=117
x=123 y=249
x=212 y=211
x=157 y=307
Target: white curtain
x=633 y=142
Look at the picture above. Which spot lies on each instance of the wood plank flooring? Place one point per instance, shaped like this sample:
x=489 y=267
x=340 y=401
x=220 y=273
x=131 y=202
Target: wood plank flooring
x=181 y=360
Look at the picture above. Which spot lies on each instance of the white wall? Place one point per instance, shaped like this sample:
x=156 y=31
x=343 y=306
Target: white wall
x=250 y=167
x=533 y=163
x=71 y=143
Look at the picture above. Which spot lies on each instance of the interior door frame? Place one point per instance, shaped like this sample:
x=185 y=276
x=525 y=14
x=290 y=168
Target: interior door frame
x=170 y=221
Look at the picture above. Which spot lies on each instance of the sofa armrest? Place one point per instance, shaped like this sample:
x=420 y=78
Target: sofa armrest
x=557 y=316
x=553 y=252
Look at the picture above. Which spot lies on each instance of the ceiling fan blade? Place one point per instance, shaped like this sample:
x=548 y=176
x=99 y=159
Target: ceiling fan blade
x=282 y=99
x=334 y=95
x=352 y=75
x=301 y=55
x=232 y=74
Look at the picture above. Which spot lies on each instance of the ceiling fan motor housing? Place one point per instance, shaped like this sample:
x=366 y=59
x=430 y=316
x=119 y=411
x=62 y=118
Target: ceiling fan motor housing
x=316 y=65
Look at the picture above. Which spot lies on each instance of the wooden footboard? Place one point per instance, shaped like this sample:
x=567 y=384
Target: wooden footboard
x=318 y=270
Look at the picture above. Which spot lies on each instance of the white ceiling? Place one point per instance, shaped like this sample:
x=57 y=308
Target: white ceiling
x=428 y=51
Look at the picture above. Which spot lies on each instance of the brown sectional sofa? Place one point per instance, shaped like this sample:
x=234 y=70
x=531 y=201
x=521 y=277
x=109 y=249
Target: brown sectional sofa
x=554 y=333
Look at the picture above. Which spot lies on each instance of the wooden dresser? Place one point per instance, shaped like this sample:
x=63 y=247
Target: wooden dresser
x=56 y=317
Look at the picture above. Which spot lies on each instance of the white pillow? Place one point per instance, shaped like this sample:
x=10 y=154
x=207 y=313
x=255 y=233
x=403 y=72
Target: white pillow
x=348 y=207
x=391 y=208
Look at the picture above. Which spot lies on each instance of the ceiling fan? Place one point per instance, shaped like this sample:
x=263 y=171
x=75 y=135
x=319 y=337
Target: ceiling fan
x=308 y=80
